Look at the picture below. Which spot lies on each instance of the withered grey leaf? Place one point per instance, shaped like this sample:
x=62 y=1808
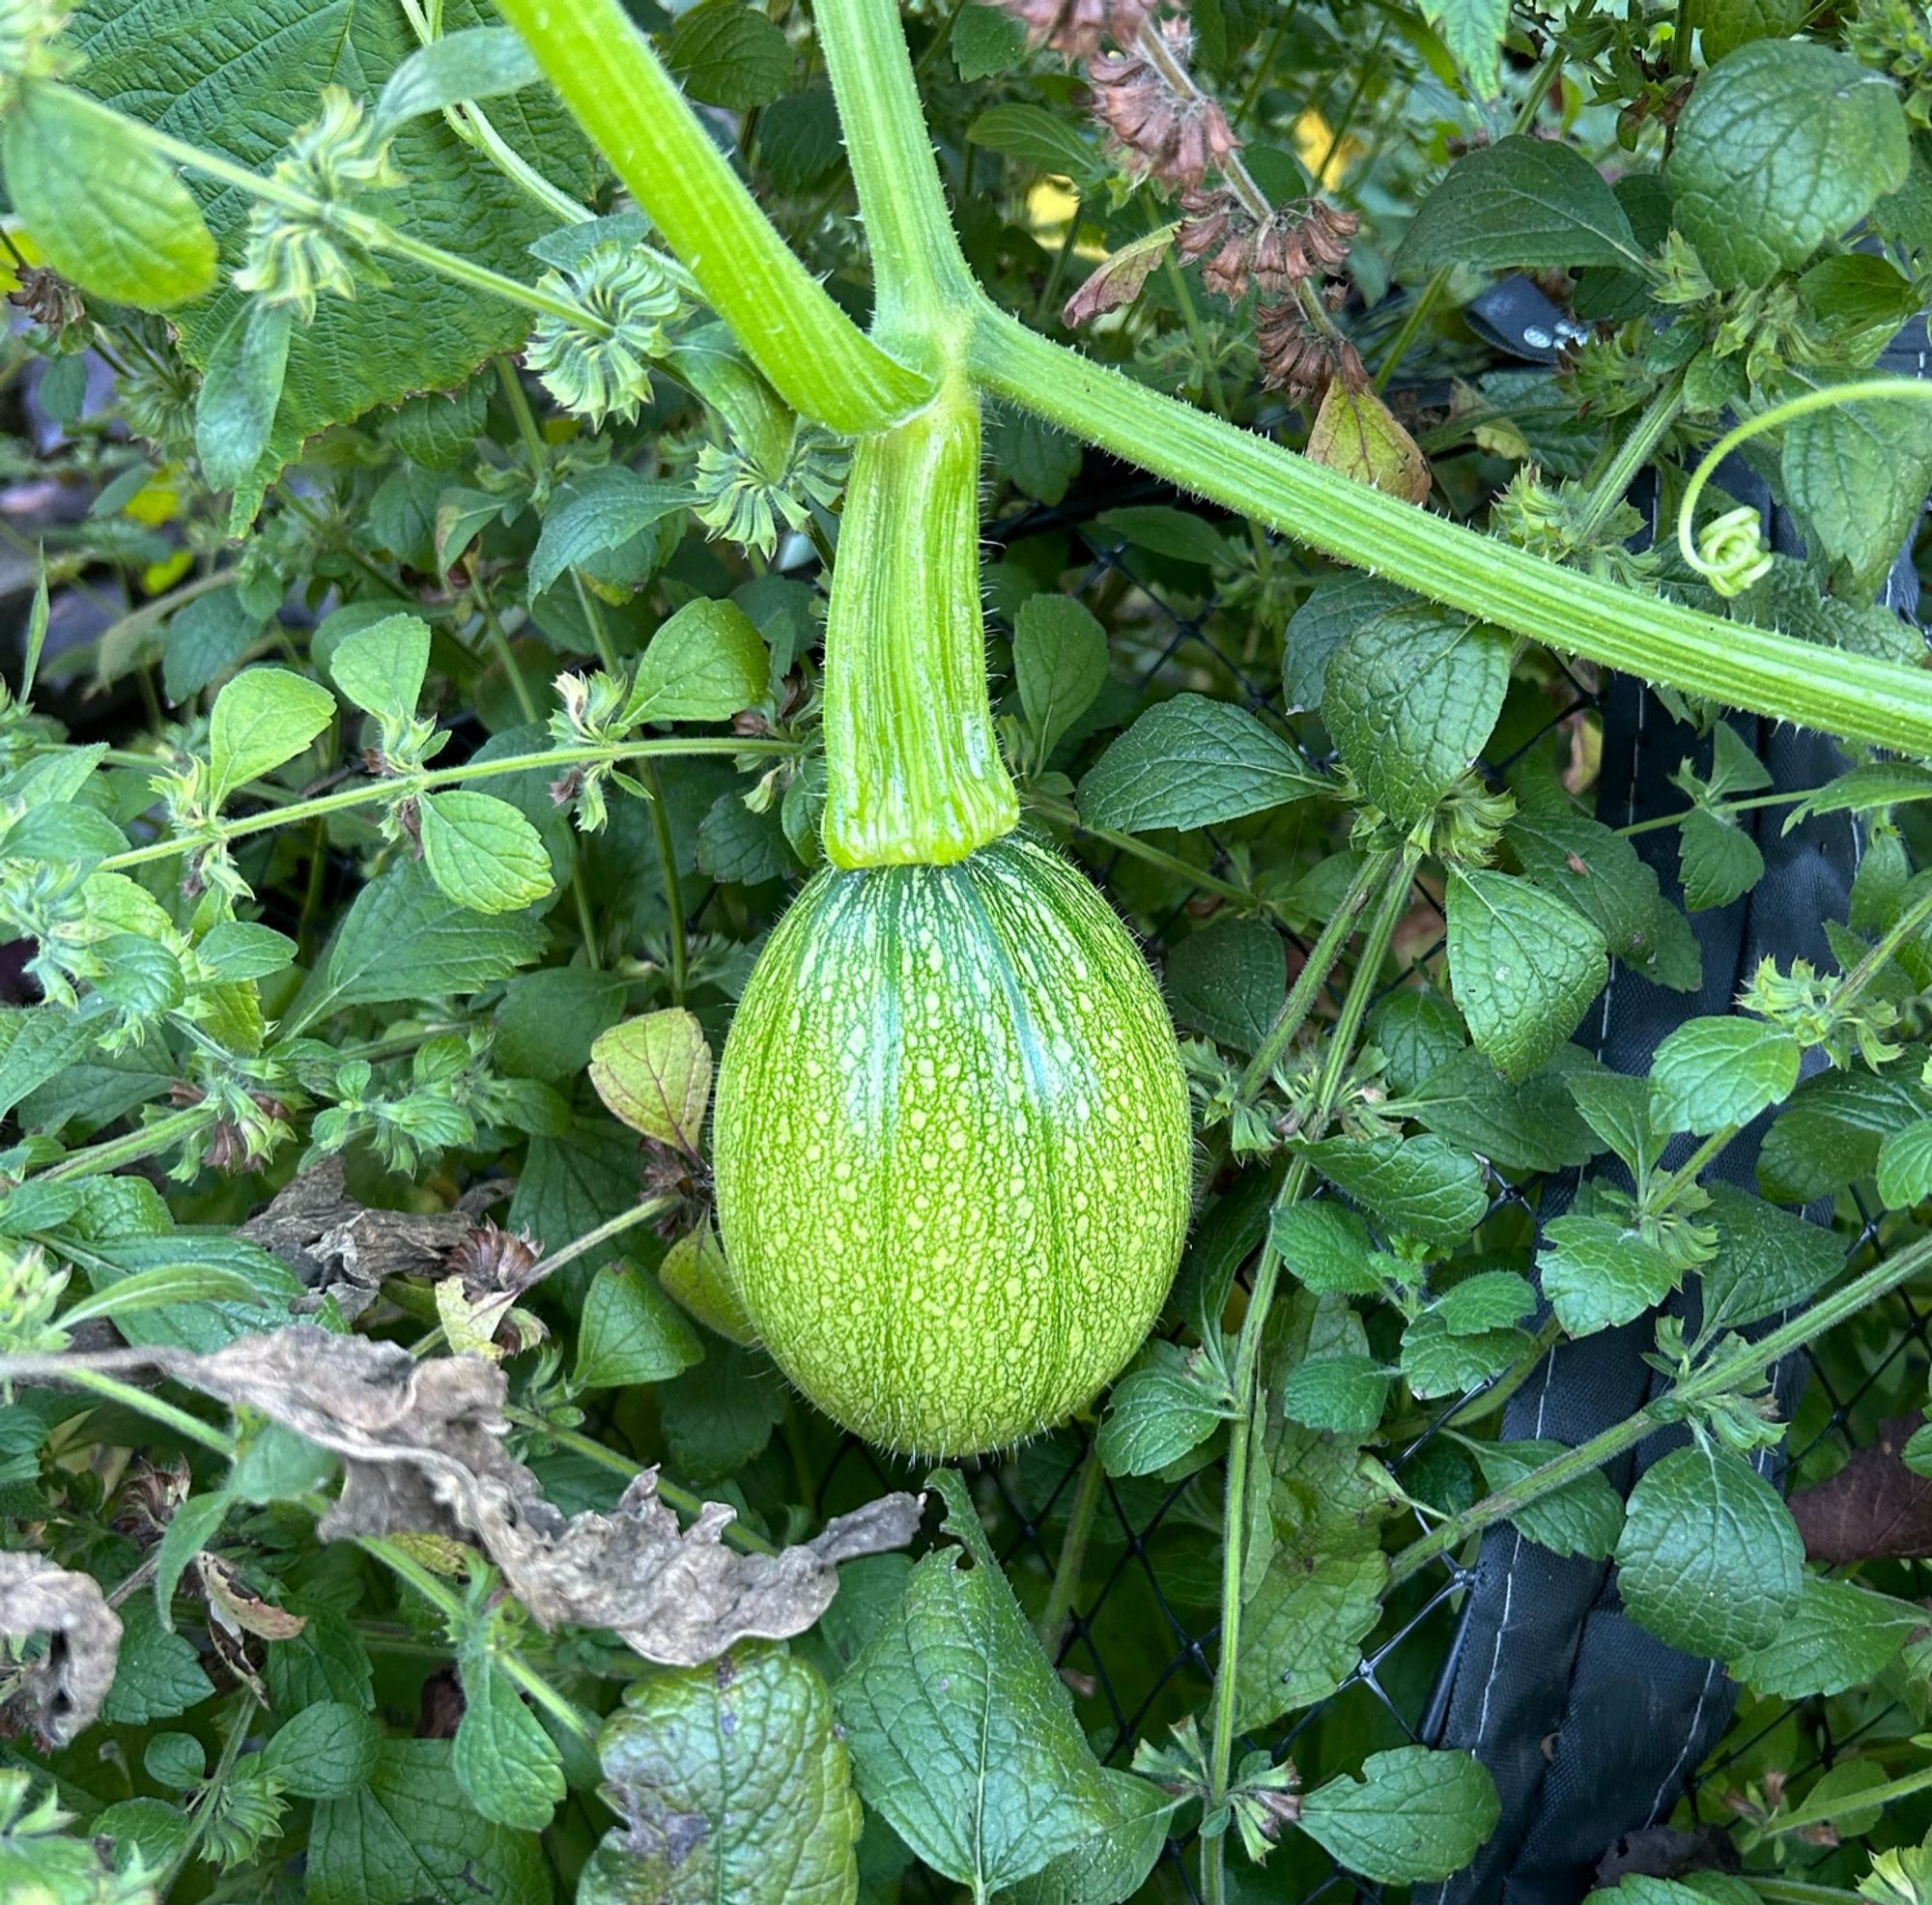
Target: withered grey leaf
x=680 y=1596
x=422 y=1451
x=343 y=1248
x=421 y=1443
x=66 y=1686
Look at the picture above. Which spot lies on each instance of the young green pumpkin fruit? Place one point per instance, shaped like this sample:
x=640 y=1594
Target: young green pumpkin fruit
x=951 y=1135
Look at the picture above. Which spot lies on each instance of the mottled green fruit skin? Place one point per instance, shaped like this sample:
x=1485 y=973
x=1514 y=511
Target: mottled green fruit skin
x=953 y=1148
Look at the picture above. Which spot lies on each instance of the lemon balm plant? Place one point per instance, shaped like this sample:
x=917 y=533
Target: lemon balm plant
x=480 y=393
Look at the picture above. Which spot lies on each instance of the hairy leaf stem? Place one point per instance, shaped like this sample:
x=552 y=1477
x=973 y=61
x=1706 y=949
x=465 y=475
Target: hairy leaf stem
x=1734 y=663
x=370 y=792
x=1715 y=1379
x=1058 y=1612
x=1242 y=1432
x=1315 y=971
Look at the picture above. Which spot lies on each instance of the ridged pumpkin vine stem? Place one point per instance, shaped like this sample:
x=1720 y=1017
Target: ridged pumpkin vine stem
x=816 y=358
x=1396 y=872
x=919 y=268
x=913 y=771
x=1736 y=663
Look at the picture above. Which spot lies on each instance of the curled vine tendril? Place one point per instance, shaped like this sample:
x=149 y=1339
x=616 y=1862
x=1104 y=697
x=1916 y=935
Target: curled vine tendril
x=1729 y=551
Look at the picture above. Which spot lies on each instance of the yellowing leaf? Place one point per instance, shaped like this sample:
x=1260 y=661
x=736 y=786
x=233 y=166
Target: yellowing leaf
x=654 y=1073
x=1357 y=434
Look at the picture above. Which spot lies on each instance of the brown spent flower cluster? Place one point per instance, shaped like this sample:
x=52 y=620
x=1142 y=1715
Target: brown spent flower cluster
x=1238 y=251
x=1177 y=133
x=1164 y=125
x=1078 y=28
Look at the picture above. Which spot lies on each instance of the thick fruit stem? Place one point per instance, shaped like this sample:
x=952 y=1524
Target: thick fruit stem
x=913 y=773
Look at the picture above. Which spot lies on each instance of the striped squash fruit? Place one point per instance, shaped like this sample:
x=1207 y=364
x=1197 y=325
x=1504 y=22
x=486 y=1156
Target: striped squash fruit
x=953 y=1148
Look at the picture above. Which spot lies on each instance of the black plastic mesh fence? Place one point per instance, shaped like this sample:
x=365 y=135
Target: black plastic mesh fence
x=1140 y=1638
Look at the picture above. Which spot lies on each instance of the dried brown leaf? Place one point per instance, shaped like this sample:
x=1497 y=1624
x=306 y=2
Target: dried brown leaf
x=342 y=1248
x=1118 y=279
x=237 y=1607
x=65 y=1686
x=1874 y=1508
x=678 y=1596
x=422 y=1452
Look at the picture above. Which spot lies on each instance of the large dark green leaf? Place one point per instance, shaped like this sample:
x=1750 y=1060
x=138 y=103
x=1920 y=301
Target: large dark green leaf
x=240 y=79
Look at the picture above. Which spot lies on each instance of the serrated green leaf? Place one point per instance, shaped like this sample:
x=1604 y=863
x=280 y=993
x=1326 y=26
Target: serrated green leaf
x=157 y=1674
x=1905 y=1166
x=1413 y=1815
x=730 y=54
x=482 y=852
x=1228 y=980
x=1112 y=1864
x=1190 y=762
x=1709 y=1559
x=1327 y=1247
x=961 y=1734
x=506 y=1764
x=380 y=667
x=325 y=1750
x=1160 y=1411
x=1857 y=475
x=986 y=42
x=1490 y=1300
x=1342 y=1394
x=1527 y=1124
x=594 y=513
x=1767 y=1259
x=1522 y=203
x=1302 y=1630
x=1059 y=656
x=1410 y=699
x=631 y=1332
x=737 y=1786
x=104 y=209
x=1714 y=1072
x=262 y=718
x=1473 y=32
x=1524 y=966
x=1436 y=1362
x=1595 y=1273
x=798 y=138
x=403 y=939
x=1420 y=1186
x=1783 y=145
x=704 y=664
x=1335 y=606
x=410 y=1833
x=1839 y=1637
x=1583 y=1516
x=1599 y=872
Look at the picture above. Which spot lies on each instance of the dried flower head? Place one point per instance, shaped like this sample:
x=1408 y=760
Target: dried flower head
x=1297 y=359
x=1176 y=135
x=1078 y=28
